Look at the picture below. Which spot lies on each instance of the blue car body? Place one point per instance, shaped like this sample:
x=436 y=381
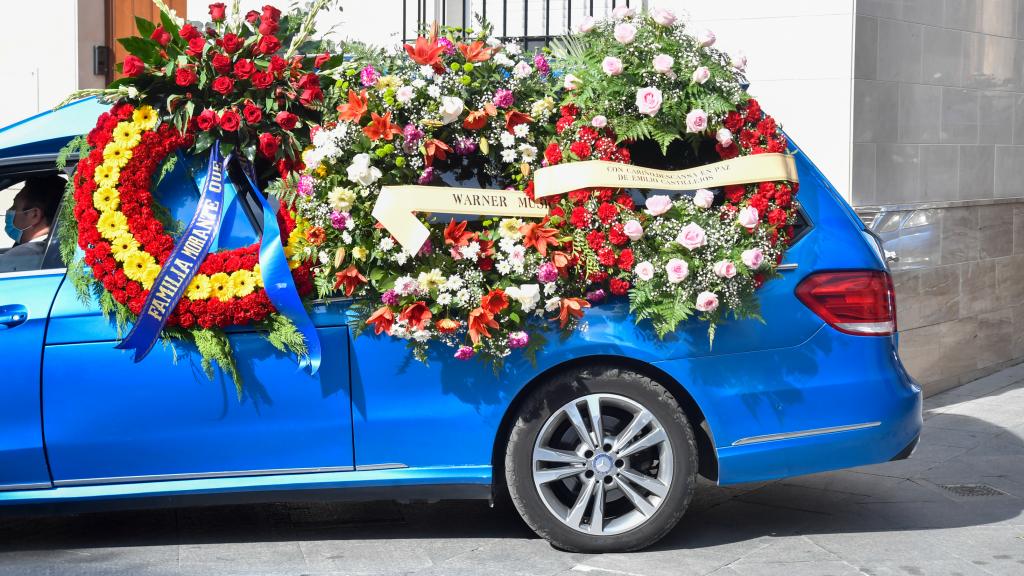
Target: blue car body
x=81 y=423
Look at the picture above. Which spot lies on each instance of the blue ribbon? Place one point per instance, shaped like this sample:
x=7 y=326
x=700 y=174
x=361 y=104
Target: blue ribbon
x=183 y=263
x=197 y=240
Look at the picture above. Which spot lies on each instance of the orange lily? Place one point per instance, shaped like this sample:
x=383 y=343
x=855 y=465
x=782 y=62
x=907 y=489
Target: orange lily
x=571 y=307
x=416 y=314
x=381 y=320
x=354 y=109
x=494 y=301
x=480 y=321
x=425 y=52
x=381 y=127
x=514 y=118
x=350 y=278
x=435 y=148
x=456 y=237
x=478 y=118
x=475 y=52
x=537 y=235
x=562 y=262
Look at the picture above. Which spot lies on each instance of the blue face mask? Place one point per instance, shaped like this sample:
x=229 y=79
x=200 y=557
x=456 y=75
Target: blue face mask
x=13 y=231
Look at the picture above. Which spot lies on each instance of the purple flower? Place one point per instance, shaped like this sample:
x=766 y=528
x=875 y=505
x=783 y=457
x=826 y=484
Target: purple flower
x=445 y=43
x=464 y=146
x=368 y=76
x=412 y=136
x=518 y=339
x=503 y=98
x=427 y=176
x=547 y=272
x=389 y=297
x=305 y=185
x=464 y=353
x=595 y=296
x=339 y=219
x=427 y=249
x=541 y=64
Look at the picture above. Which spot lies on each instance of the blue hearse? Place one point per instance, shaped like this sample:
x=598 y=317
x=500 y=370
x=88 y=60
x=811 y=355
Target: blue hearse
x=598 y=443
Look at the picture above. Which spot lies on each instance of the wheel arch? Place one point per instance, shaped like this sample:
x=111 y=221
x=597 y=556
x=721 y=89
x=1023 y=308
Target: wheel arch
x=707 y=458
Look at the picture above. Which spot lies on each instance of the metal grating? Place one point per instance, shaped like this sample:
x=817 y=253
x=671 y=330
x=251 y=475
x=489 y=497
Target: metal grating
x=972 y=490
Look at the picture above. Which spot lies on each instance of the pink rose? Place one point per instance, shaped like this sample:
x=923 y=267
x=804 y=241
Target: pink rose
x=724 y=269
x=748 y=217
x=622 y=12
x=696 y=120
x=658 y=205
x=633 y=230
x=611 y=65
x=724 y=137
x=644 y=271
x=587 y=24
x=692 y=236
x=677 y=270
x=624 y=33
x=707 y=301
x=522 y=70
x=701 y=75
x=663 y=16
x=706 y=38
x=739 y=61
x=752 y=258
x=663 y=63
x=571 y=82
x=703 y=198
x=599 y=121
x=648 y=101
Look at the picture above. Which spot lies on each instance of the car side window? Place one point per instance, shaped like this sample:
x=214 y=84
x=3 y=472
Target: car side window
x=29 y=202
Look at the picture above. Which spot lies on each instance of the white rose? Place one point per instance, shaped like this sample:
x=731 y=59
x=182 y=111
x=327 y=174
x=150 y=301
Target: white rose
x=703 y=198
x=724 y=137
x=361 y=172
x=528 y=295
x=451 y=108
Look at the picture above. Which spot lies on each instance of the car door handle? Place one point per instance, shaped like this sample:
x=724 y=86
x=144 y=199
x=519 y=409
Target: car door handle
x=12 y=315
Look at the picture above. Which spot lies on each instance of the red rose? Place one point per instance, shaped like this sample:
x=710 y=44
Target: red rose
x=626 y=259
x=269 y=144
x=286 y=120
x=262 y=80
x=321 y=59
x=271 y=13
x=268 y=27
x=188 y=32
x=206 y=120
x=217 y=11
x=223 y=85
x=277 y=64
x=220 y=62
x=231 y=43
x=244 y=69
x=553 y=153
x=132 y=66
x=618 y=287
x=267 y=45
x=252 y=113
x=185 y=77
x=162 y=37
x=195 y=47
x=310 y=95
x=229 y=121
x=251 y=16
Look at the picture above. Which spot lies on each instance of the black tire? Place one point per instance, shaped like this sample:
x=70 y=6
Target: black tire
x=557 y=392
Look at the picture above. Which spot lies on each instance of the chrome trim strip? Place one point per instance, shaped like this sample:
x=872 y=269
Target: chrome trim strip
x=803 y=433
x=937 y=205
x=380 y=467
x=36 y=486
x=784 y=267
x=197 y=476
x=27 y=273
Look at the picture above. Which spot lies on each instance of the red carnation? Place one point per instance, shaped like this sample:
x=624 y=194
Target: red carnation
x=733 y=121
x=626 y=259
x=618 y=287
x=563 y=123
x=162 y=37
x=132 y=66
x=267 y=45
x=581 y=149
x=753 y=111
x=185 y=77
x=617 y=236
x=195 y=47
x=262 y=80
x=229 y=121
x=606 y=256
x=223 y=85
x=607 y=212
x=777 y=217
x=286 y=120
x=580 y=217
x=595 y=239
x=244 y=69
x=231 y=43
x=252 y=113
x=553 y=153
x=269 y=144
x=217 y=11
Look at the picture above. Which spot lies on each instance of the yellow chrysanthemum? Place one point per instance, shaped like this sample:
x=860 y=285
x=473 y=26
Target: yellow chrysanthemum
x=112 y=224
x=106 y=175
x=199 y=288
x=220 y=286
x=127 y=134
x=122 y=246
x=145 y=118
x=116 y=155
x=389 y=81
x=509 y=228
x=106 y=198
x=149 y=275
x=242 y=283
x=257 y=276
x=136 y=264
x=360 y=253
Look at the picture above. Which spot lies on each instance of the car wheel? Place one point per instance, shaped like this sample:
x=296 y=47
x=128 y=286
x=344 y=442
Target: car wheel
x=601 y=459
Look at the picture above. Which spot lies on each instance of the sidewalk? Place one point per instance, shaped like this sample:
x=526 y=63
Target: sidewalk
x=954 y=508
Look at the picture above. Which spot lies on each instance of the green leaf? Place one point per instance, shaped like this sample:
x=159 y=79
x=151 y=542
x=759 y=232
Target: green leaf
x=145 y=49
x=144 y=26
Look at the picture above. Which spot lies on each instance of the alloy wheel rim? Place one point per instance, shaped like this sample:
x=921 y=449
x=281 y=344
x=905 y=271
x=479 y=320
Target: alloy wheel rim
x=602 y=464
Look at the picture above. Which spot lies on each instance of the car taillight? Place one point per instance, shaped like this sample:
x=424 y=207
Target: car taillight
x=860 y=302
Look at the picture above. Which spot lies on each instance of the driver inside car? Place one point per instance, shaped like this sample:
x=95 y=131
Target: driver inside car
x=28 y=222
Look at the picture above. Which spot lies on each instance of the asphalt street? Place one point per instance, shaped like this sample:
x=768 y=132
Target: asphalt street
x=955 y=508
